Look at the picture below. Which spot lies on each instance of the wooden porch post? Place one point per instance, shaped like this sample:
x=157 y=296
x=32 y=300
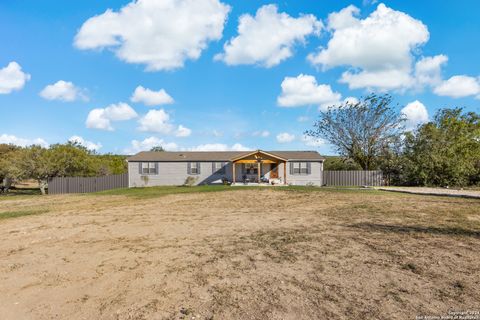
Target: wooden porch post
x=234 y=175
x=259 y=165
x=285 y=172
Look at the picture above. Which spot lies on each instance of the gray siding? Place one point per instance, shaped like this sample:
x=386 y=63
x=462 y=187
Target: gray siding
x=174 y=174
x=315 y=177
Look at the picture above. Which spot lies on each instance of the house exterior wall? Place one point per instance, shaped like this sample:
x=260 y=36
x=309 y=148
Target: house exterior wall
x=175 y=173
x=315 y=177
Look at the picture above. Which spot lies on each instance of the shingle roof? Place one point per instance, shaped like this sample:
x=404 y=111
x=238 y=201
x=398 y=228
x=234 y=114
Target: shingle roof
x=218 y=155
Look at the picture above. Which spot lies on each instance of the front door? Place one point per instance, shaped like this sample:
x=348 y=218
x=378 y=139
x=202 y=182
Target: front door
x=274 y=171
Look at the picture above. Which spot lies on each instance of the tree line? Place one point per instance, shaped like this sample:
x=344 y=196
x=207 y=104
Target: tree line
x=370 y=134
x=59 y=160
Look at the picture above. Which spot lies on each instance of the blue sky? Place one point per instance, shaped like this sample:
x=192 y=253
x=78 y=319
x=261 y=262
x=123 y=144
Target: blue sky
x=257 y=82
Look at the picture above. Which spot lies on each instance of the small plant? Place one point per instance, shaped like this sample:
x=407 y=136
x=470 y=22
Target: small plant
x=190 y=181
x=225 y=181
x=145 y=180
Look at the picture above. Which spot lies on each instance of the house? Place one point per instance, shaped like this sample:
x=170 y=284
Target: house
x=273 y=167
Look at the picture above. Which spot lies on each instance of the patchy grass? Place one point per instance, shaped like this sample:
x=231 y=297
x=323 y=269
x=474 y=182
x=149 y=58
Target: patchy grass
x=20 y=213
x=153 y=192
x=256 y=253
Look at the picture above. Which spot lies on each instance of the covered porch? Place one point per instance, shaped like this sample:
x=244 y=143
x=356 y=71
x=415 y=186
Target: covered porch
x=259 y=168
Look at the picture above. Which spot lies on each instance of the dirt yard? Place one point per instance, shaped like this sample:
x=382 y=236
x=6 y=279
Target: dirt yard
x=245 y=254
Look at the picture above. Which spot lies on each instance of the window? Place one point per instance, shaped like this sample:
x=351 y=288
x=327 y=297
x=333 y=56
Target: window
x=218 y=167
x=148 y=168
x=300 y=168
x=193 y=168
x=251 y=168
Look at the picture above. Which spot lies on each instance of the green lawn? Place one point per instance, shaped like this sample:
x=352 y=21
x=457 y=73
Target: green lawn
x=152 y=192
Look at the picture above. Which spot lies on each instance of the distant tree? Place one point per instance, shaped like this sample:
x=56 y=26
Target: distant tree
x=446 y=151
x=360 y=131
x=340 y=163
x=157 y=149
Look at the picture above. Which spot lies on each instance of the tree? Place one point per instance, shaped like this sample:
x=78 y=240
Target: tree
x=157 y=149
x=444 y=152
x=360 y=131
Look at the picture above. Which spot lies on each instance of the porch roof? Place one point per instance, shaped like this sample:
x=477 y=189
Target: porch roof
x=188 y=156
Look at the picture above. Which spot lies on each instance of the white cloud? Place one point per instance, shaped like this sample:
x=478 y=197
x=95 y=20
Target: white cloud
x=156 y=121
x=64 y=91
x=415 y=113
x=428 y=70
x=263 y=133
x=312 y=142
x=22 y=142
x=151 y=98
x=159 y=121
x=102 y=118
x=268 y=38
x=285 y=137
x=12 y=78
x=183 y=131
x=85 y=143
x=218 y=147
x=149 y=143
x=380 y=48
x=304 y=90
x=458 y=87
x=351 y=100
x=160 y=34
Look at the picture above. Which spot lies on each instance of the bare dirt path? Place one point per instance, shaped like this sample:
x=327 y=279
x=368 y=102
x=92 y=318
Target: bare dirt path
x=435 y=191
x=253 y=254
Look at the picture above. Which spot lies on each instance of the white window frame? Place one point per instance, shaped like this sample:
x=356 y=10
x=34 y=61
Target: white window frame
x=194 y=168
x=300 y=168
x=148 y=168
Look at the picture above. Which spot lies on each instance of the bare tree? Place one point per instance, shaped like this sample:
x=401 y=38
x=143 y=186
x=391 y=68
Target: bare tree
x=362 y=130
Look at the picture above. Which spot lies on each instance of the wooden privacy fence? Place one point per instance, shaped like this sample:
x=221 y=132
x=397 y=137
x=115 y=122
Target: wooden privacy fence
x=353 y=178
x=60 y=185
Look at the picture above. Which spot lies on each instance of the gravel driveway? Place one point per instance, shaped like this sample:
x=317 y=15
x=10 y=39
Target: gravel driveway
x=435 y=191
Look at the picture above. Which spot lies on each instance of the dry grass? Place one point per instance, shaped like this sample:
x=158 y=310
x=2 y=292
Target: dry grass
x=250 y=254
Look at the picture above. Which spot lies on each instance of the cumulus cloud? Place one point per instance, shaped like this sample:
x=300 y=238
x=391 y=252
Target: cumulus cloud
x=149 y=143
x=85 y=143
x=159 y=121
x=159 y=34
x=428 y=70
x=285 y=137
x=303 y=90
x=262 y=133
x=63 y=91
x=415 y=113
x=380 y=48
x=183 y=131
x=458 y=87
x=102 y=118
x=151 y=98
x=312 y=141
x=268 y=38
x=12 y=78
x=22 y=142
